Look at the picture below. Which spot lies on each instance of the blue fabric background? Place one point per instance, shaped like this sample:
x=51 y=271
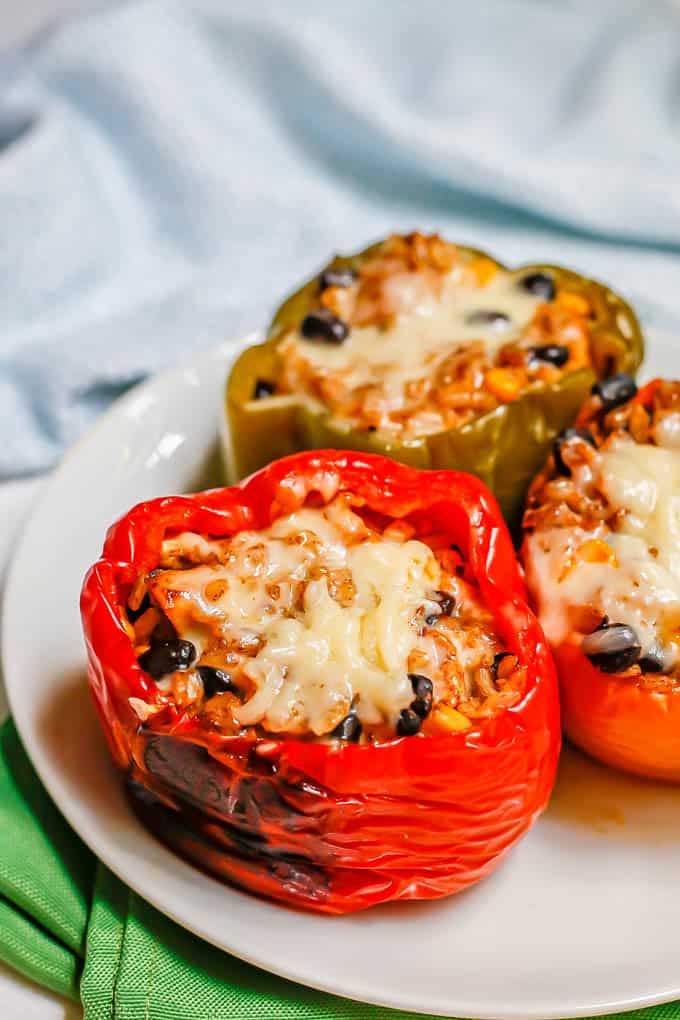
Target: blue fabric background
x=168 y=170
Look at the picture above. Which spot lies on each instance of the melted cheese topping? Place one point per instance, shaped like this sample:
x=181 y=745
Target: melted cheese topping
x=345 y=637
x=641 y=587
x=427 y=328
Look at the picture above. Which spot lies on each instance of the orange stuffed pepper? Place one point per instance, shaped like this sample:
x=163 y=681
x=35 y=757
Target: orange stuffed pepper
x=602 y=557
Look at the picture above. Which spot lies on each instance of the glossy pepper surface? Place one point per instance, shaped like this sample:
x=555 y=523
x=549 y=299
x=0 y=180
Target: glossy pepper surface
x=505 y=447
x=629 y=723
x=328 y=826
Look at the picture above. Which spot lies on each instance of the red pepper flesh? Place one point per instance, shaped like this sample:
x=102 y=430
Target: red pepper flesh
x=327 y=827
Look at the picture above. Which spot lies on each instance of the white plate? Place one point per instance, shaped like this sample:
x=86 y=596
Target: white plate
x=581 y=919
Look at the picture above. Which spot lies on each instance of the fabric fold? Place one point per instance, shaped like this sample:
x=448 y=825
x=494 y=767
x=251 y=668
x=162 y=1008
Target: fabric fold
x=28 y=948
x=206 y=156
x=45 y=870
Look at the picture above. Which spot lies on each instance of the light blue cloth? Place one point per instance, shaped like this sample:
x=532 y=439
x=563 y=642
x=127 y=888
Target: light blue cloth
x=169 y=170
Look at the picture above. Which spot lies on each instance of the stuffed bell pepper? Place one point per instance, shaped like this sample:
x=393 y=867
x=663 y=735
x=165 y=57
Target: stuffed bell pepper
x=602 y=555
x=324 y=684
x=431 y=353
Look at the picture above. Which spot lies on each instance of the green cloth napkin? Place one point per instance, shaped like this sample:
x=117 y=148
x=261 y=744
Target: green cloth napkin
x=69 y=924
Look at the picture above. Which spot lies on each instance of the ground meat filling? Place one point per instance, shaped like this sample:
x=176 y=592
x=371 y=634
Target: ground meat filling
x=331 y=624
x=424 y=338
x=603 y=534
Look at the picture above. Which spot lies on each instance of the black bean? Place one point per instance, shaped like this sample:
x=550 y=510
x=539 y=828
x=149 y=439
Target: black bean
x=134 y=614
x=422 y=685
x=422 y=706
x=615 y=390
x=447 y=604
x=422 y=688
x=263 y=388
x=216 y=681
x=565 y=437
x=323 y=325
x=337 y=276
x=446 y=601
x=540 y=285
x=166 y=657
x=554 y=354
x=488 y=317
x=349 y=729
x=652 y=661
x=613 y=647
x=409 y=723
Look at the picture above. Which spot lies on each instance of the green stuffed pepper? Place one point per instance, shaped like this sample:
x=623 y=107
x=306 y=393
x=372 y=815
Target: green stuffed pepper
x=433 y=354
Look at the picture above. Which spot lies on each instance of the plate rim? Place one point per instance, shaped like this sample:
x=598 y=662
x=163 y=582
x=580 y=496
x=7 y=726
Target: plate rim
x=103 y=849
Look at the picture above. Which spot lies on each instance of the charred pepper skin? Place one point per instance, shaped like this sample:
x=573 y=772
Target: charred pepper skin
x=285 y=818
x=504 y=448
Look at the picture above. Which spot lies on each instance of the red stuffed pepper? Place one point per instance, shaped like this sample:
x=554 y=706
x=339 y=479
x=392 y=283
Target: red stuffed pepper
x=602 y=552
x=324 y=684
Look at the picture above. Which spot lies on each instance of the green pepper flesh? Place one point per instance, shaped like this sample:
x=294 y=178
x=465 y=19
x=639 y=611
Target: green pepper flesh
x=504 y=447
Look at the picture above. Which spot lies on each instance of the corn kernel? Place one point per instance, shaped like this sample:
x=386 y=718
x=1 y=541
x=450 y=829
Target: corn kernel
x=595 y=550
x=450 y=719
x=484 y=269
x=503 y=383
x=573 y=302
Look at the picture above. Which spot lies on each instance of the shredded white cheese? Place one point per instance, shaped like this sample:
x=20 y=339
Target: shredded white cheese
x=314 y=657
x=426 y=328
x=642 y=588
